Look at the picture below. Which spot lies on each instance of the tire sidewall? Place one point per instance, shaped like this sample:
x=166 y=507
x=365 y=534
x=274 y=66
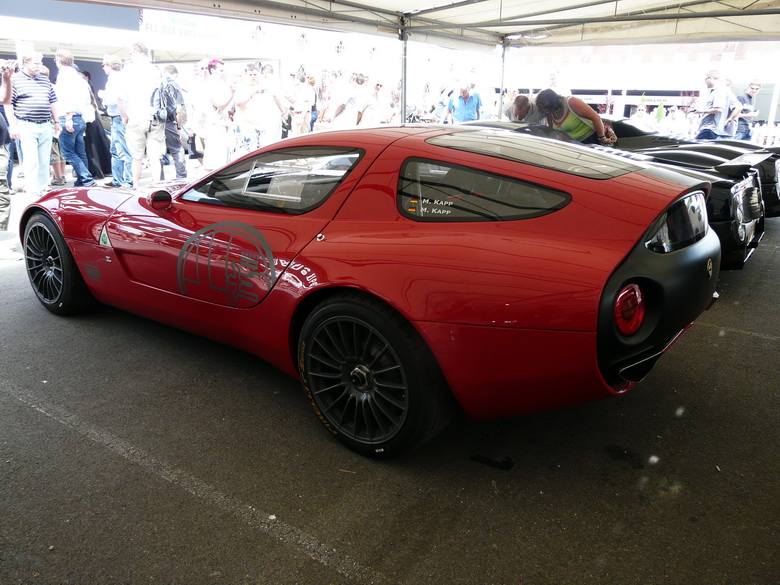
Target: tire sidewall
x=73 y=295
x=395 y=332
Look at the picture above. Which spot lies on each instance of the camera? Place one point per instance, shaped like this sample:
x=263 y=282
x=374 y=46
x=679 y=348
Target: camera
x=9 y=65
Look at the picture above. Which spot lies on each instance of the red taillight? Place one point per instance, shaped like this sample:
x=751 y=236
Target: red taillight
x=629 y=309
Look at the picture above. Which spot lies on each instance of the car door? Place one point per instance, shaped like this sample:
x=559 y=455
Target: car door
x=227 y=239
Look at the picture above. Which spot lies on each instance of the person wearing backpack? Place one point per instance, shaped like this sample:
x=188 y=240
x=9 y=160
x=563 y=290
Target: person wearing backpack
x=173 y=100
x=139 y=106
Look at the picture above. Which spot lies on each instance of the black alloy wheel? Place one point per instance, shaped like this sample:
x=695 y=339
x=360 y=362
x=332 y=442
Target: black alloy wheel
x=53 y=273
x=369 y=376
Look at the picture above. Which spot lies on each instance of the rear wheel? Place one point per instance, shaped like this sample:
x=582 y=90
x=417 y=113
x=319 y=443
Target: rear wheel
x=53 y=273
x=370 y=377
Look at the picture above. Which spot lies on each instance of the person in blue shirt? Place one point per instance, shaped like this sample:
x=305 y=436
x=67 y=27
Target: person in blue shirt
x=464 y=107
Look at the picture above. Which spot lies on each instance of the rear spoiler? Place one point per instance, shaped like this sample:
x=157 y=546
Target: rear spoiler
x=738 y=167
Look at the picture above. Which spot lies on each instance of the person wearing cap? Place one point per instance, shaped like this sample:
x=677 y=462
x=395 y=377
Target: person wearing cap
x=674 y=123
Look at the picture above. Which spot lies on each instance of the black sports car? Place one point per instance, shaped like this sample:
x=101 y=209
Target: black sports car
x=735 y=208
x=639 y=137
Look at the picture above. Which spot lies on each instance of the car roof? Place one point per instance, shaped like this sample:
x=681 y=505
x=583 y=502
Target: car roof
x=573 y=159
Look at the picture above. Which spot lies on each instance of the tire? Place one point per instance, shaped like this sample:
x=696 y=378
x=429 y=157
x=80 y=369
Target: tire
x=53 y=273
x=370 y=377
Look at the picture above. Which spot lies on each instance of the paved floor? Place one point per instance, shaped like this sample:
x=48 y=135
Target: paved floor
x=134 y=453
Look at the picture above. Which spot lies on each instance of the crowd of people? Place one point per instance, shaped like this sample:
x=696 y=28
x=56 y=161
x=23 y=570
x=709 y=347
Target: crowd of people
x=230 y=113
x=224 y=112
x=718 y=113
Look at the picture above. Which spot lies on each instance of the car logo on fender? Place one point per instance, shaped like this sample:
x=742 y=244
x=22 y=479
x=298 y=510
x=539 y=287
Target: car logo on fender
x=709 y=267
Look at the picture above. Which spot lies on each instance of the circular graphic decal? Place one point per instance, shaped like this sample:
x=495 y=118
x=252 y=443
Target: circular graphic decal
x=228 y=263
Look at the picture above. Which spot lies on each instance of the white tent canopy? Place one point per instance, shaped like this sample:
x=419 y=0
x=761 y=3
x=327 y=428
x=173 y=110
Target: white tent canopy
x=522 y=40
x=509 y=22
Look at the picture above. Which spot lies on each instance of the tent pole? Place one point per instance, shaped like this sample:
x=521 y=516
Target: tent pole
x=403 y=35
x=504 y=45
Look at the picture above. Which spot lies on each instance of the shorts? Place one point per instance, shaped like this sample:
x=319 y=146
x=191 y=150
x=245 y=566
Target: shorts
x=145 y=138
x=56 y=154
x=195 y=146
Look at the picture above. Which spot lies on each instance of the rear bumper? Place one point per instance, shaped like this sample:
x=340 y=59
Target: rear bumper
x=678 y=287
x=737 y=248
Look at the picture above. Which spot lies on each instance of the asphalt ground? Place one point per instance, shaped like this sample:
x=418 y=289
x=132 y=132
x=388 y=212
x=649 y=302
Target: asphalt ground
x=133 y=453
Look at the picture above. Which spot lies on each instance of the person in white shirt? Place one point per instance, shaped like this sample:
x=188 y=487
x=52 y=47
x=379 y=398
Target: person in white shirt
x=75 y=108
x=522 y=108
x=145 y=134
x=121 y=159
x=301 y=101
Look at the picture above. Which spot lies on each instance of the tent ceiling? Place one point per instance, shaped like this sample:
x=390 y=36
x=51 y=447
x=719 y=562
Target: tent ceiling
x=511 y=22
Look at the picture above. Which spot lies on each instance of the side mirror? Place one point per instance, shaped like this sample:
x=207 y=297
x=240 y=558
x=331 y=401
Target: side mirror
x=160 y=199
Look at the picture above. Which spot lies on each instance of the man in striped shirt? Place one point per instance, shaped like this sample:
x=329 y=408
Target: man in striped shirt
x=33 y=104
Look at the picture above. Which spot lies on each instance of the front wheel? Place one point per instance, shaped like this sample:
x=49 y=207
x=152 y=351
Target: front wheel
x=370 y=377
x=53 y=273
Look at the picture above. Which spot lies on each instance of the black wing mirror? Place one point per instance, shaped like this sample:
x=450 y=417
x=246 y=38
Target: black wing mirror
x=160 y=199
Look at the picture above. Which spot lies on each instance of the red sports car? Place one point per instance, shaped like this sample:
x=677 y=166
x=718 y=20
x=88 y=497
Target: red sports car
x=395 y=269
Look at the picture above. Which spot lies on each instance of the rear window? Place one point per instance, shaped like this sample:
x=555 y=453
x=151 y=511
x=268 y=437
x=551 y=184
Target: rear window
x=574 y=159
x=437 y=191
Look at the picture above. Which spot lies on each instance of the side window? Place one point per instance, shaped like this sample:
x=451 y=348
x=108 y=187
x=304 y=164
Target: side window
x=291 y=181
x=436 y=191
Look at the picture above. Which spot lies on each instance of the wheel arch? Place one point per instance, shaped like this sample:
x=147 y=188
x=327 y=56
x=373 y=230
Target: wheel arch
x=431 y=402
x=32 y=210
x=307 y=304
